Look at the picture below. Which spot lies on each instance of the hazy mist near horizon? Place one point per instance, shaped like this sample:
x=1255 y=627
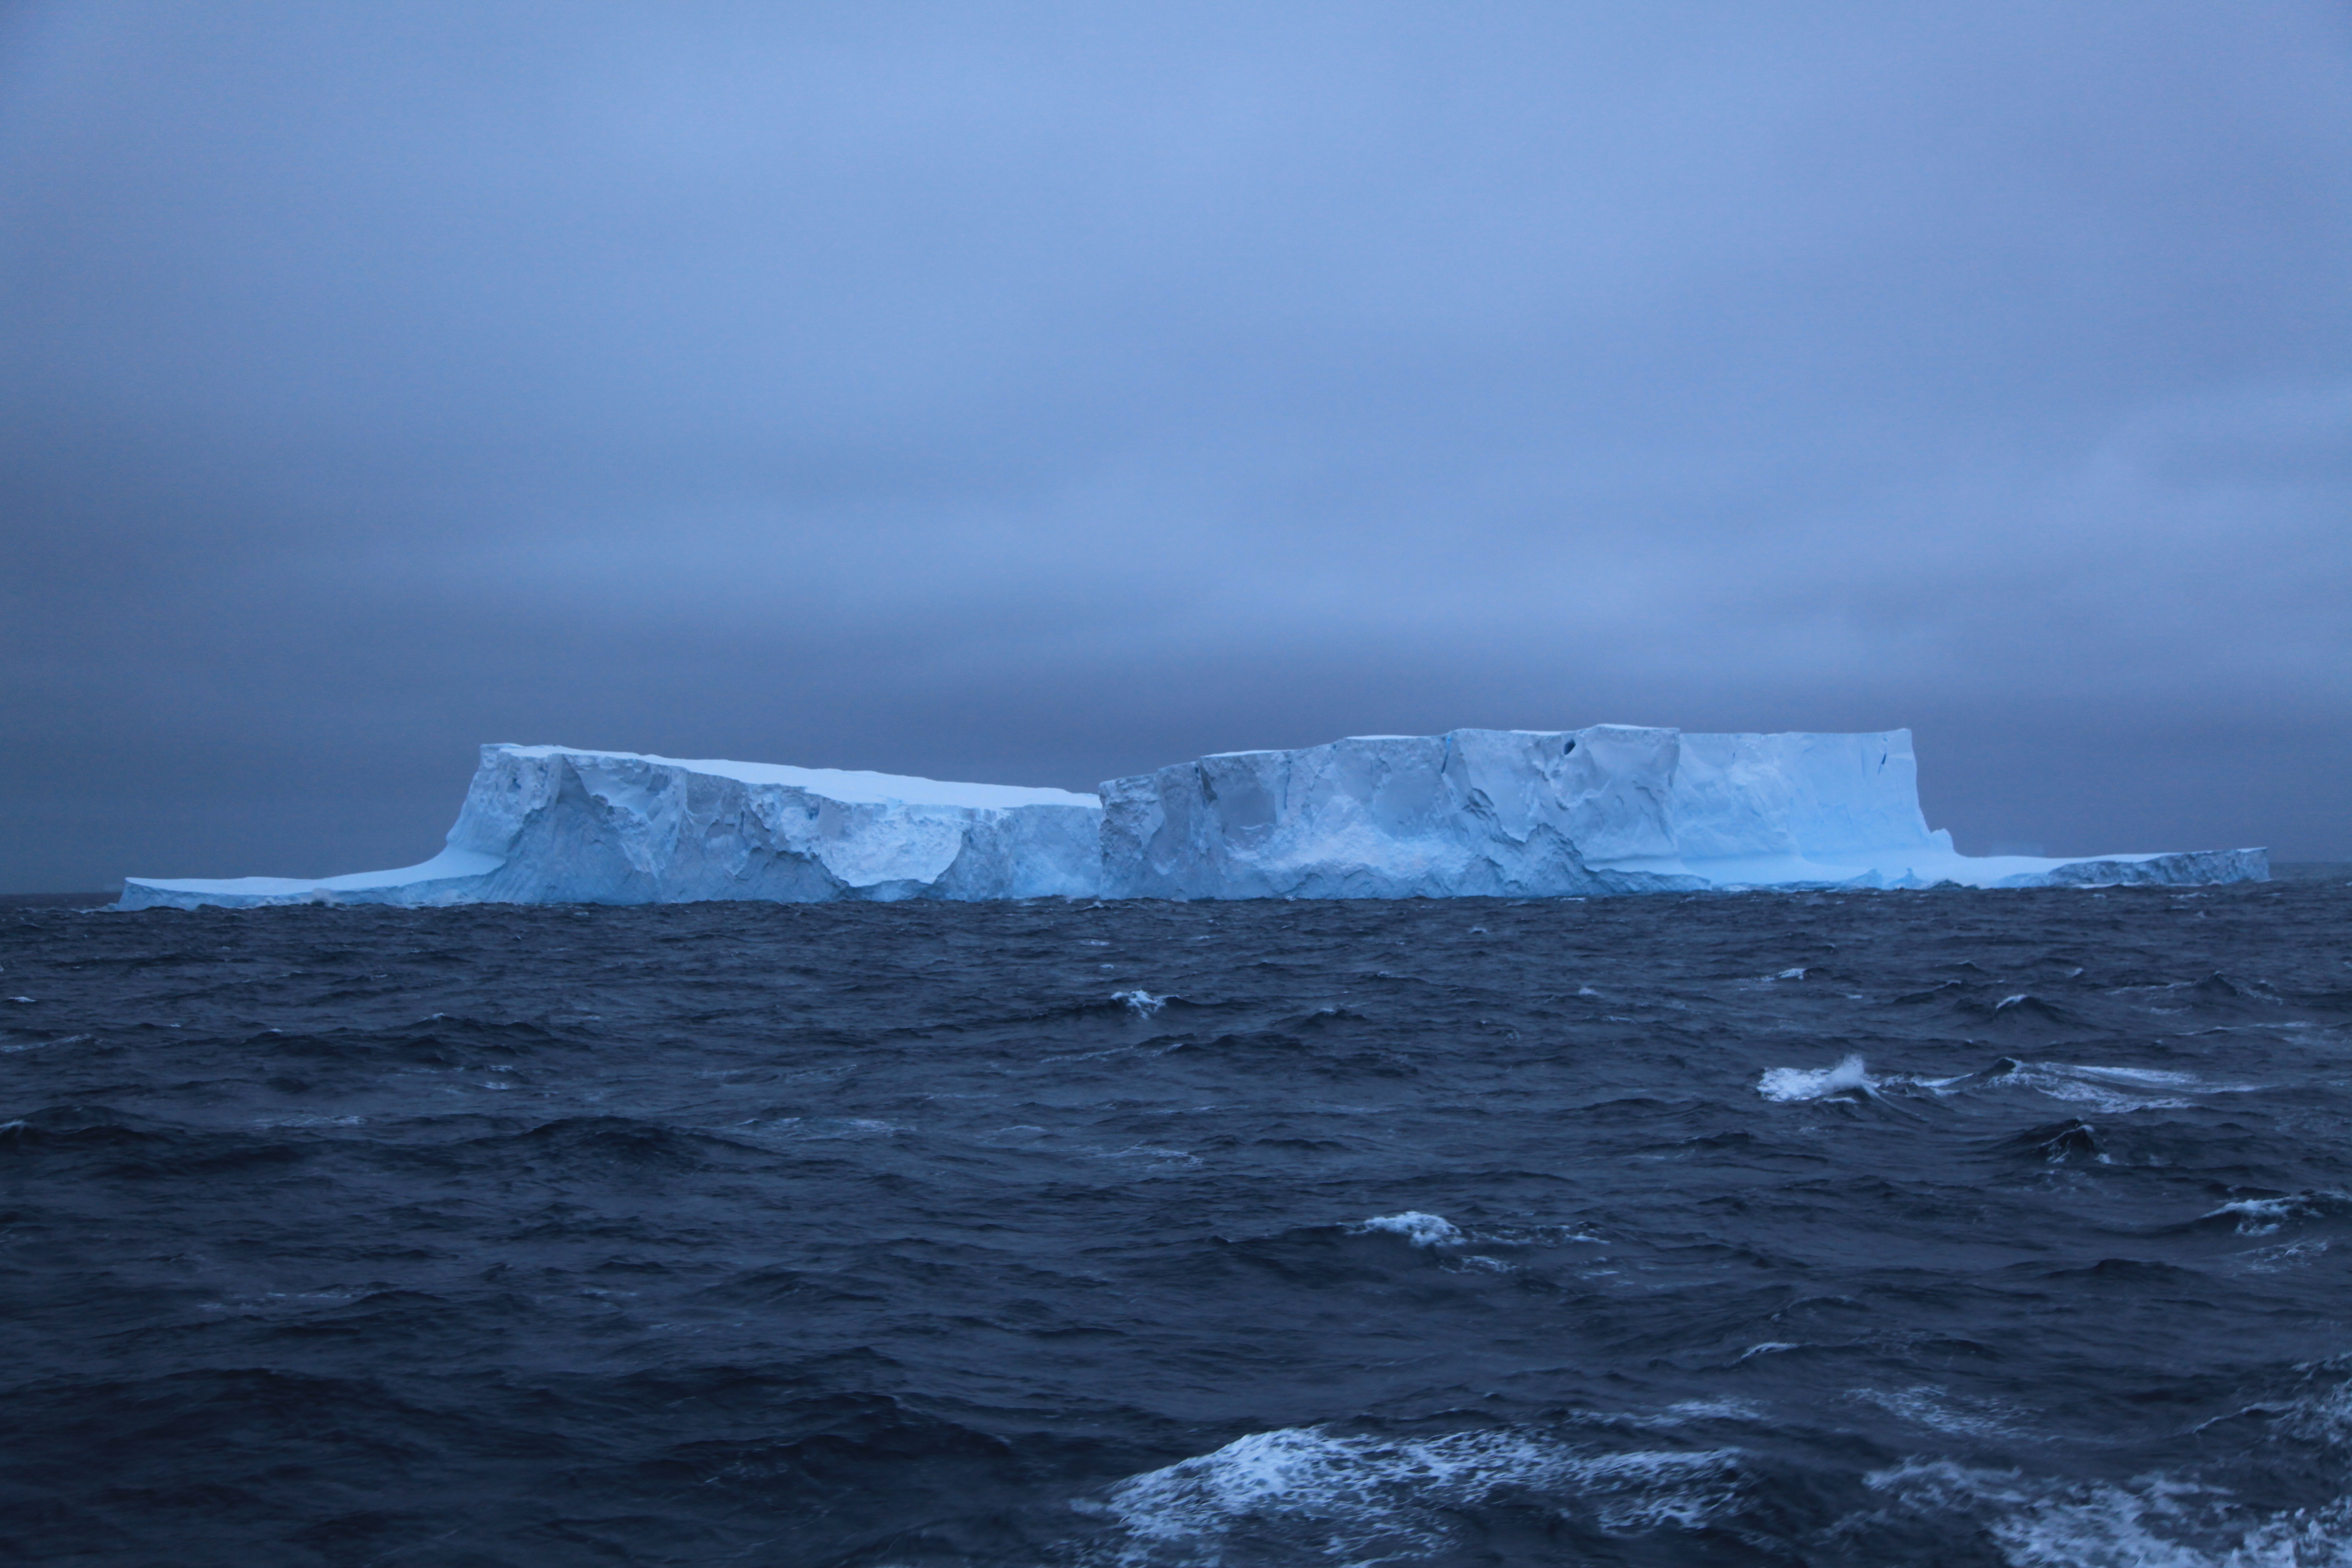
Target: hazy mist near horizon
x=1042 y=393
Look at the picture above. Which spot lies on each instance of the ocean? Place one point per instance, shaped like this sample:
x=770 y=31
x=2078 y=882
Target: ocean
x=1943 y=1227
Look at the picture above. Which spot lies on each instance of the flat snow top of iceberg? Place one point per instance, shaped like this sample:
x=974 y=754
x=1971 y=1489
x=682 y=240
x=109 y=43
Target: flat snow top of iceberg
x=842 y=784
x=1270 y=751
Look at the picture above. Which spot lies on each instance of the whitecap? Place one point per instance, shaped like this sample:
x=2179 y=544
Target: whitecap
x=1363 y=1499
x=2150 y=1521
x=2265 y=1216
x=1140 y=1002
x=1421 y=1229
x=1790 y=1085
x=1721 y=1407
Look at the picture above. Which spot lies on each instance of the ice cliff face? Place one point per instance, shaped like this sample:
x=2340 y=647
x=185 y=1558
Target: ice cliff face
x=1395 y=817
x=1522 y=812
x=545 y=824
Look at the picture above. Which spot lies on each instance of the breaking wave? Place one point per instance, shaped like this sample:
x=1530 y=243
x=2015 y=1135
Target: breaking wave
x=1421 y=1229
x=1793 y=1085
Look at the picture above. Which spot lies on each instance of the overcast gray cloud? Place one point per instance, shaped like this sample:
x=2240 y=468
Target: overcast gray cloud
x=1038 y=393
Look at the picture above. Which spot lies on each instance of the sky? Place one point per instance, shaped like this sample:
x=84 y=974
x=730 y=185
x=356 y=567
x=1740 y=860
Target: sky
x=1039 y=393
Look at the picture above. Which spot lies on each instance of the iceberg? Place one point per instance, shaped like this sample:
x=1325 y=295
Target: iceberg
x=1611 y=809
x=548 y=824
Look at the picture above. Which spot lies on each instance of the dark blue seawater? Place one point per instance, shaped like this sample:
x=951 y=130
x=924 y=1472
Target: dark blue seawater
x=1949 y=1227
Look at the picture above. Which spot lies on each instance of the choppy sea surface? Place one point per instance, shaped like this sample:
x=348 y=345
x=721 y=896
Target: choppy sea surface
x=1946 y=1227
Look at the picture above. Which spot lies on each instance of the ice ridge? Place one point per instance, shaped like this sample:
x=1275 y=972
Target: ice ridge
x=1611 y=809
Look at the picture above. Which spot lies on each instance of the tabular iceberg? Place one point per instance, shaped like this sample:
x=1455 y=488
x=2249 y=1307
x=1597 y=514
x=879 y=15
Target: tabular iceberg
x=1524 y=813
x=547 y=825
x=1609 y=809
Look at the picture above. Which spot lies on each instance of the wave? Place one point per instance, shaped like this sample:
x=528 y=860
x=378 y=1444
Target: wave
x=2267 y=1215
x=2117 y=1090
x=1302 y=1493
x=110 y=1143
x=588 y=1145
x=2158 y=1521
x=2113 y=1090
x=1316 y=1493
x=2054 y=1142
x=1421 y=1229
x=1789 y=1086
